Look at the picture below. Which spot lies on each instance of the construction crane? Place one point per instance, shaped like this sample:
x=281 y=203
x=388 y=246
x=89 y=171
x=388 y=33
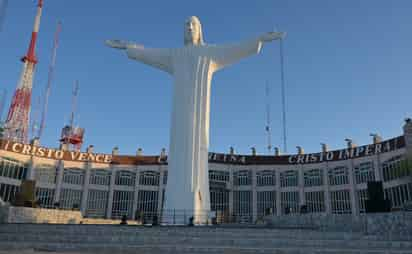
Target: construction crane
x=71 y=135
x=49 y=80
x=3 y=8
x=268 y=124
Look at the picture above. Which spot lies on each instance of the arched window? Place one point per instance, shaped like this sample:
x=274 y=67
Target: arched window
x=11 y=168
x=125 y=177
x=73 y=176
x=266 y=178
x=100 y=176
x=45 y=173
x=149 y=178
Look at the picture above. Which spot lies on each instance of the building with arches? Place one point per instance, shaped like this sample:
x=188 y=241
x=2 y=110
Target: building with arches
x=242 y=187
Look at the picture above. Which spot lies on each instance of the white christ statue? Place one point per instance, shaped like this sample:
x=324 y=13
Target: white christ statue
x=192 y=67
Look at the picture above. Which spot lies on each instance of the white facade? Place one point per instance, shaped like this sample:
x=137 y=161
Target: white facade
x=238 y=192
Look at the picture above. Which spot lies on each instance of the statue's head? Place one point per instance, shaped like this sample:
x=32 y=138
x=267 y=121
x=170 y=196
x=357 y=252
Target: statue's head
x=193 y=31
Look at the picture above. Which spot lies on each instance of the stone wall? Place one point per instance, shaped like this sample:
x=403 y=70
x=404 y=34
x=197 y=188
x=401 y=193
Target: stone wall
x=394 y=225
x=3 y=211
x=107 y=222
x=40 y=215
x=342 y=222
x=10 y=214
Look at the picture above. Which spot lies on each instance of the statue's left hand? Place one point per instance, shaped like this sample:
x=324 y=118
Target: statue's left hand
x=272 y=36
x=117 y=44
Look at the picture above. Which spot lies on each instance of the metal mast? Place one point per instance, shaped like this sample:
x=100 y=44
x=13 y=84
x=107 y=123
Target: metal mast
x=17 y=122
x=74 y=102
x=49 y=80
x=282 y=80
x=268 y=125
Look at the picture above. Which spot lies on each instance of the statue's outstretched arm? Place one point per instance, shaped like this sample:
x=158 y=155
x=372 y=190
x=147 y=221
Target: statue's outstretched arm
x=230 y=54
x=158 y=58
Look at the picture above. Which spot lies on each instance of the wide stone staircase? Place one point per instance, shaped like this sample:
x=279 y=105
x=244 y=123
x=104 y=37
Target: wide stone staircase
x=115 y=239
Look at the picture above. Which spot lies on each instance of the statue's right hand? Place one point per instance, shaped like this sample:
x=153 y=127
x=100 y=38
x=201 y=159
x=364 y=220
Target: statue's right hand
x=271 y=36
x=117 y=44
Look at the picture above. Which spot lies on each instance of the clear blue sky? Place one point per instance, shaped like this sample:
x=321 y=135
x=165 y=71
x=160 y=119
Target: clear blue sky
x=348 y=70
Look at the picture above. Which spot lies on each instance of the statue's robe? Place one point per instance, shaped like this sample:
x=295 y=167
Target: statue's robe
x=192 y=67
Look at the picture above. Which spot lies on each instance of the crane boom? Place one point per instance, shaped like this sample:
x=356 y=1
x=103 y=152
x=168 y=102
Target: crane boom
x=49 y=79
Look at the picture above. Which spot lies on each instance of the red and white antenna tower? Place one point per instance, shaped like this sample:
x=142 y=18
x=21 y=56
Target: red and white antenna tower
x=17 y=122
x=49 y=81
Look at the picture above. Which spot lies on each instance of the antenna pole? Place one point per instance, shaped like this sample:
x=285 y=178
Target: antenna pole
x=282 y=80
x=268 y=124
x=49 y=80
